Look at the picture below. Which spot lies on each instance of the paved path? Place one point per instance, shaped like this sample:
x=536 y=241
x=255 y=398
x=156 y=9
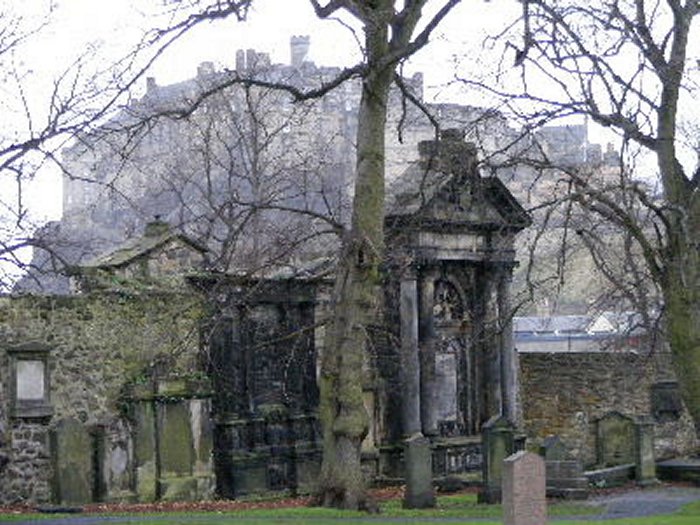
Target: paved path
x=646 y=502
x=632 y=504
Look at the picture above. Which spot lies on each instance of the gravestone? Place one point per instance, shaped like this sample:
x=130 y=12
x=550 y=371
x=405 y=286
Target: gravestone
x=497 y=438
x=72 y=448
x=565 y=477
x=524 y=500
x=645 y=471
x=615 y=440
x=418 y=466
x=145 y=460
x=554 y=449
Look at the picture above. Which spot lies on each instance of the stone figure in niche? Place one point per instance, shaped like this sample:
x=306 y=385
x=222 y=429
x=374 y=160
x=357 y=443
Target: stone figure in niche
x=448 y=306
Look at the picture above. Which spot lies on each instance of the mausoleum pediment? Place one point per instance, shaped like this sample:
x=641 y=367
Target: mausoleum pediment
x=445 y=190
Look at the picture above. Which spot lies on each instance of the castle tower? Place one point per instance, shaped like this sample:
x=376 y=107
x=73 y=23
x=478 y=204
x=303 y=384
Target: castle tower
x=299 y=47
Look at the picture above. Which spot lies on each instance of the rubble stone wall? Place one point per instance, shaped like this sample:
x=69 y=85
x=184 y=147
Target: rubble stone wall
x=565 y=394
x=97 y=344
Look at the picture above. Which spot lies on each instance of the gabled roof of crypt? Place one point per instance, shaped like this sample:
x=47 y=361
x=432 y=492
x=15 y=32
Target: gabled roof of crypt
x=444 y=187
x=157 y=235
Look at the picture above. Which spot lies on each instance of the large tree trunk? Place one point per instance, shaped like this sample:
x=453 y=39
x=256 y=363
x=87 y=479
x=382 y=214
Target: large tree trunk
x=681 y=288
x=680 y=281
x=356 y=297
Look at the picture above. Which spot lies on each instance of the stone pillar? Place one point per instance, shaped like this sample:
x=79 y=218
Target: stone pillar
x=410 y=365
x=428 y=408
x=493 y=346
x=509 y=358
x=645 y=471
x=418 y=467
x=497 y=443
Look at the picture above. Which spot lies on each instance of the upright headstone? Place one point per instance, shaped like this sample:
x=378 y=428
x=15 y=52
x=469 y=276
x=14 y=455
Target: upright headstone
x=497 y=442
x=645 y=471
x=554 y=449
x=524 y=500
x=419 y=473
x=565 y=477
x=615 y=440
x=72 y=447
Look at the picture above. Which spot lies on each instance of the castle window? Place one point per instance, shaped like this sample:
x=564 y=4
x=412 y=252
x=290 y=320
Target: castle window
x=30 y=380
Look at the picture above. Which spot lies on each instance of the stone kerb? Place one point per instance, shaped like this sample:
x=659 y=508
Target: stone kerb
x=524 y=499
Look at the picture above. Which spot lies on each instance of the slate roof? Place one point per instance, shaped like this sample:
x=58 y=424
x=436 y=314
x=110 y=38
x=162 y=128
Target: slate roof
x=558 y=324
x=157 y=234
x=627 y=323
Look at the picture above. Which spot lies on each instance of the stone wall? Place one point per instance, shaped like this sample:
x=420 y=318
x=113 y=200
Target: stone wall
x=566 y=394
x=97 y=344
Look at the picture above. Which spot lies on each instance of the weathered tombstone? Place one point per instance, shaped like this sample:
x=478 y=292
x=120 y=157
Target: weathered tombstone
x=645 y=471
x=524 y=501
x=553 y=449
x=497 y=441
x=565 y=477
x=72 y=448
x=145 y=460
x=615 y=440
x=419 y=473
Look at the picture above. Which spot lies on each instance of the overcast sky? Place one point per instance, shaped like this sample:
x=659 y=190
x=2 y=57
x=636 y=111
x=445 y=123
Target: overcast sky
x=113 y=27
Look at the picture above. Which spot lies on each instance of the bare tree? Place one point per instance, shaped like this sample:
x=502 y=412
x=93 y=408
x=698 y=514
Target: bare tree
x=44 y=114
x=393 y=31
x=628 y=66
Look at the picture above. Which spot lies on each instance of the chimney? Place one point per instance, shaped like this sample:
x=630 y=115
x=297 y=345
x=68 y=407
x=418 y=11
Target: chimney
x=251 y=59
x=450 y=155
x=299 y=47
x=205 y=69
x=264 y=60
x=240 y=61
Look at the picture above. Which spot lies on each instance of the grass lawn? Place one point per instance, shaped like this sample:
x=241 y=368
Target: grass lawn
x=461 y=509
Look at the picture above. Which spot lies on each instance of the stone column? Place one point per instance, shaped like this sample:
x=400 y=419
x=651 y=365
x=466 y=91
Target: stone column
x=417 y=451
x=410 y=365
x=493 y=345
x=427 y=354
x=509 y=358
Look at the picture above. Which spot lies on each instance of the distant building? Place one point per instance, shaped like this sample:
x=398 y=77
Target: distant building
x=228 y=172
x=606 y=332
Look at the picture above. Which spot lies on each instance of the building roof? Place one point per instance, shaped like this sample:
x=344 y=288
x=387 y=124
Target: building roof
x=156 y=235
x=606 y=323
x=445 y=186
x=558 y=324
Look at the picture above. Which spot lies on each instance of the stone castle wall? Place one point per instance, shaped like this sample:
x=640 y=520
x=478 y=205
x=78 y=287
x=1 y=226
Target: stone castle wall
x=565 y=394
x=96 y=345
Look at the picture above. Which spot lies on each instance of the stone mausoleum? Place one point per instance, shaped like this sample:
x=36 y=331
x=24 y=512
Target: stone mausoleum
x=162 y=380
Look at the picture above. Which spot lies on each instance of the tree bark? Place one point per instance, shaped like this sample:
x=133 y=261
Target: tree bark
x=356 y=295
x=680 y=281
